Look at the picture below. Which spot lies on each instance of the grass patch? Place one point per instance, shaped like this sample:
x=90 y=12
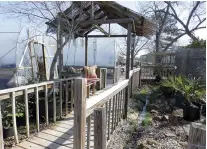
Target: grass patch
x=147 y=120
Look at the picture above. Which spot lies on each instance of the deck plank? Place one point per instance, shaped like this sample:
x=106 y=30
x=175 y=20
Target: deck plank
x=46 y=143
x=28 y=145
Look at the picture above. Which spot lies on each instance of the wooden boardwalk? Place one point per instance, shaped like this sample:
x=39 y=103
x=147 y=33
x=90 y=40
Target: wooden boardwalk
x=59 y=136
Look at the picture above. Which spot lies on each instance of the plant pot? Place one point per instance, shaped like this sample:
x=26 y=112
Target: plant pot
x=191 y=113
x=8 y=132
x=179 y=100
x=21 y=121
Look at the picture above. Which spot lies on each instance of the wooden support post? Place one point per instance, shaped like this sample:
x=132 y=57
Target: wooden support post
x=109 y=120
x=14 y=117
x=79 y=113
x=88 y=131
x=1 y=131
x=100 y=128
x=132 y=51
x=66 y=97
x=61 y=99
x=128 y=50
x=37 y=109
x=46 y=105
x=113 y=114
x=115 y=118
x=72 y=94
x=86 y=50
x=26 y=111
x=197 y=136
x=54 y=104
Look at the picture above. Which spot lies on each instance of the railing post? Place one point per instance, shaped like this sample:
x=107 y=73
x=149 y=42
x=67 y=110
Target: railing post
x=126 y=102
x=100 y=128
x=79 y=113
x=1 y=131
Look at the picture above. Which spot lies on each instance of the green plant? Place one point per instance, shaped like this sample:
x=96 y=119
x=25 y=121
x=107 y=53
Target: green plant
x=147 y=120
x=191 y=89
x=7 y=112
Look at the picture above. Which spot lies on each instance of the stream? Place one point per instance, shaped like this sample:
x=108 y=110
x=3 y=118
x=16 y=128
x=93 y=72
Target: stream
x=141 y=117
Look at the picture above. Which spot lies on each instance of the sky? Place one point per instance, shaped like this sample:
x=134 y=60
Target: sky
x=8 y=41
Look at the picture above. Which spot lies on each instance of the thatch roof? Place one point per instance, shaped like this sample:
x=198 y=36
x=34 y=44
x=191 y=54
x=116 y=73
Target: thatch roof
x=103 y=10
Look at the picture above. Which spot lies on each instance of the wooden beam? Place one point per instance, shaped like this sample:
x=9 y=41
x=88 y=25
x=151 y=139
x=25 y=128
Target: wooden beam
x=101 y=29
x=86 y=50
x=79 y=114
x=102 y=36
x=92 y=10
x=123 y=20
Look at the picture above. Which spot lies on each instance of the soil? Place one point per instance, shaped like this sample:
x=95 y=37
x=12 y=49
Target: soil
x=168 y=130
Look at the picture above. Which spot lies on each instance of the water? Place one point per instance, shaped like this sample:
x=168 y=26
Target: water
x=143 y=113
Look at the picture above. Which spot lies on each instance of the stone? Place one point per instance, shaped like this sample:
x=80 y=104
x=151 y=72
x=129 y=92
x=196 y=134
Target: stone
x=154 y=111
x=152 y=142
x=184 y=144
x=157 y=118
x=169 y=134
x=153 y=107
x=165 y=118
x=142 y=146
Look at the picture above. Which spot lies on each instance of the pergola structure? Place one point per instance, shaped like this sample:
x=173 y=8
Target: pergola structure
x=87 y=16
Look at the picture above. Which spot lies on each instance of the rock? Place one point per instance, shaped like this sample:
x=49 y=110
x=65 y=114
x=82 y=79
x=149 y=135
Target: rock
x=169 y=134
x=142 y=146
x=157 y=118
x=154 y=111
x=184 y=144
x=153 y=107
x=152 y=142
x=165 y=118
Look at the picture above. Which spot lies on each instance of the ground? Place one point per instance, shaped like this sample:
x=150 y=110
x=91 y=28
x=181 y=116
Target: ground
x=160 y=129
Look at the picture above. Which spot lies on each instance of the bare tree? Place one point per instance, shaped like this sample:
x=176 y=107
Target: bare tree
x=165 y=13
x=41 y=12
x=140 y=43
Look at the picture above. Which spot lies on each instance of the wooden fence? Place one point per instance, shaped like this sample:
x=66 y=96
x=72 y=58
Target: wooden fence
x=105 y=111
x=148 y=71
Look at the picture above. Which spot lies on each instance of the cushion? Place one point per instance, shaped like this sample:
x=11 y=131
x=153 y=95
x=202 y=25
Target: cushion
x=90 y=71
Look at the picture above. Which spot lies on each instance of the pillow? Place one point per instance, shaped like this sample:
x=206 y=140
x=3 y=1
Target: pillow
x=90 y=71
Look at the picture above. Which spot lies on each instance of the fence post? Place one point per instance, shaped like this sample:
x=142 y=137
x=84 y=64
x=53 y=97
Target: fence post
x=1 y=131
x=197 y=136
x=100 y=128
x=79 y=113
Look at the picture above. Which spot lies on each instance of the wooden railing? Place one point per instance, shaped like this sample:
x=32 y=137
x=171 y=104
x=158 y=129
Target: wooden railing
x=148 y=71
x=103 y=111
x=60 y=91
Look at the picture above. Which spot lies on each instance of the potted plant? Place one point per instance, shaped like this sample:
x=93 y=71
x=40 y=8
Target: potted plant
x=192 y=92
x=7 y=117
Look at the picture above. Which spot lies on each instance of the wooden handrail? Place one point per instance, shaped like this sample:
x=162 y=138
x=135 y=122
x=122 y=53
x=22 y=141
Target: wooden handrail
x=4 y=94
x=100 y=99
